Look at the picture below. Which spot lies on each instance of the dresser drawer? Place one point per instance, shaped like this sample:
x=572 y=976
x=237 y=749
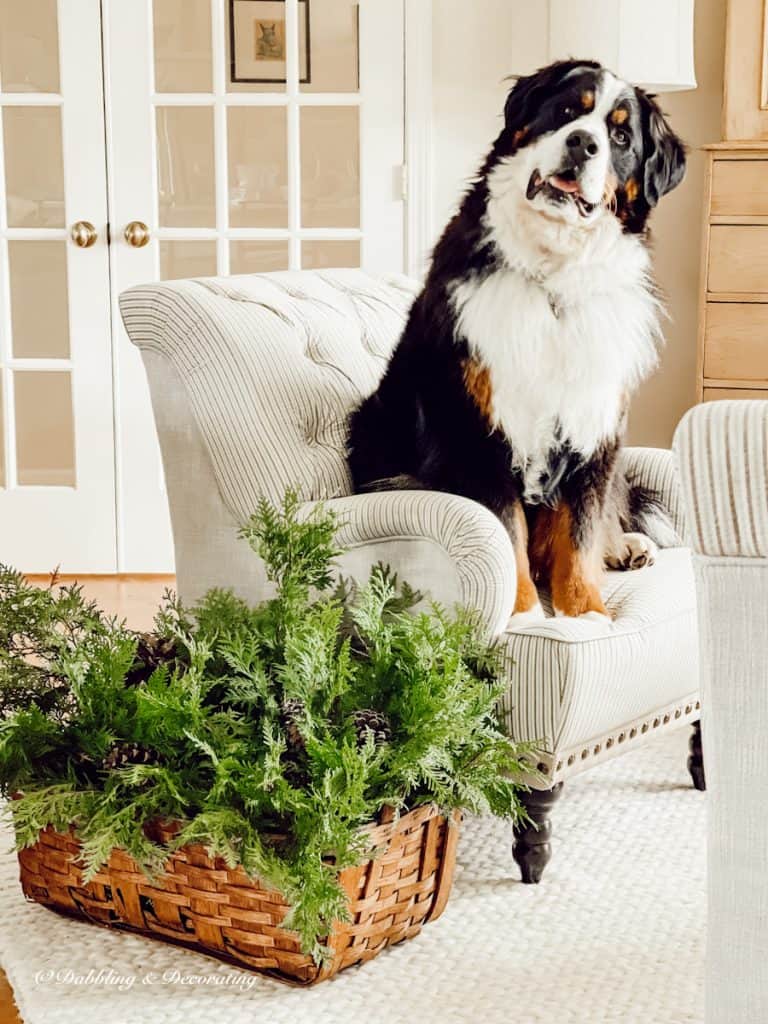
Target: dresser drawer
x=738 y=258
x=739 y=188
x=717 y=394
x=736 y=341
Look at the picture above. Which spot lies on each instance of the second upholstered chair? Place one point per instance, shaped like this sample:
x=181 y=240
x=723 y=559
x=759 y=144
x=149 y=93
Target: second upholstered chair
x=723 y=454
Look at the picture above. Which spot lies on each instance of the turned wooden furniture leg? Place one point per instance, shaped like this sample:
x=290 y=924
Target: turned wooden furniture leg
x=532 y=849
x=696 y=758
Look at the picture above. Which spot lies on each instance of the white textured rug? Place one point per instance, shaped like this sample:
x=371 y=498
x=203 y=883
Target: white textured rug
x=613 y=935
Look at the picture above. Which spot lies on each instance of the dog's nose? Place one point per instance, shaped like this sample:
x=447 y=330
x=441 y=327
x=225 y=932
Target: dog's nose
x=581 y=147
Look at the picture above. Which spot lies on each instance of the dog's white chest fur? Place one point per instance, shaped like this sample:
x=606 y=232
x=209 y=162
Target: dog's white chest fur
x=563 y=374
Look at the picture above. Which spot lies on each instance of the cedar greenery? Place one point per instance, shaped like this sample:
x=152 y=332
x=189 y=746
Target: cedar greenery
x=272 y=734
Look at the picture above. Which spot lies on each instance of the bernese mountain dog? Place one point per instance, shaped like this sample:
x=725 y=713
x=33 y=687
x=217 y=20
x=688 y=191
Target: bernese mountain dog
x=537 y=321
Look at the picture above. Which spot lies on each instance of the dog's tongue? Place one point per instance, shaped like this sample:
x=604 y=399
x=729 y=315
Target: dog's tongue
x=563 y=184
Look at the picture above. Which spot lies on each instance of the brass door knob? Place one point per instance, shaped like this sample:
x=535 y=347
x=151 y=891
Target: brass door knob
x=83 y=233
x=136 y=234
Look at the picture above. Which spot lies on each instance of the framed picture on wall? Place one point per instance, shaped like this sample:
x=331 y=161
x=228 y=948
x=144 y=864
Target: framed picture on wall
x=257 y=41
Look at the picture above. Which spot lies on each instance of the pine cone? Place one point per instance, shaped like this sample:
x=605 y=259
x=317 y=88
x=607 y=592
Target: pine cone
x=292 y=712
x=152 y=651
x=374 y=723
x=122 y=754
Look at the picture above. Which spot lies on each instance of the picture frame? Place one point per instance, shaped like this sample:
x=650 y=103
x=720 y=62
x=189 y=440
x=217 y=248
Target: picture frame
x=257 y=42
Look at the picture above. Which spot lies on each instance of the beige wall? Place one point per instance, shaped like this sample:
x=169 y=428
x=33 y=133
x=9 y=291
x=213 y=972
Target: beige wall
x=473 y=52
x=475 y=46
x=677 y=233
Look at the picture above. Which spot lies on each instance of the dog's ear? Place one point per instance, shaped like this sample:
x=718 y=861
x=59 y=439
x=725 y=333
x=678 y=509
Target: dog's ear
x=528 y=92
x=665 y=156
x=521 y=100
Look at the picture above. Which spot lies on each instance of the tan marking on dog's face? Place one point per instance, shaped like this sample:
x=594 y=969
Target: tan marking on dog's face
x=587 y=99
x=620 y=115
x=520 y=135
x=632 y=190
x=477 y=381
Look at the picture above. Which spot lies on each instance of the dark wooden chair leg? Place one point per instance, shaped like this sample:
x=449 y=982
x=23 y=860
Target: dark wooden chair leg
x=532 y=849
x=696 y=758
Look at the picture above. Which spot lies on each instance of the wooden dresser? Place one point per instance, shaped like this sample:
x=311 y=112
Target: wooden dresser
x=733 y=321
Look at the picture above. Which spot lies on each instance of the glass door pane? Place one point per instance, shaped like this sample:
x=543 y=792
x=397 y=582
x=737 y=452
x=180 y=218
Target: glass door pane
x=187 y=259
x=34 y=167
x=257 y=257
x=257 y=156
x=29 y=46
x=185 y=167
x=321 y=254
x=182 y=45
x=45 y=435
x=334 y=34
x=39 y=330
x=330 y=167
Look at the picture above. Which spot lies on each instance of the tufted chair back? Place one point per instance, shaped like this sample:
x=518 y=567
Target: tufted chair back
x=271 y=366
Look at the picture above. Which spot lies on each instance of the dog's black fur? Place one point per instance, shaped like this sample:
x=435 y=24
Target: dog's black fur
x=422 y=427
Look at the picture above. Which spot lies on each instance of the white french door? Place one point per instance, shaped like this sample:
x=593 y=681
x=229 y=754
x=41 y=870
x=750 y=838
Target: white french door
x=219 y=137
x=243 y=136
x=57 y=501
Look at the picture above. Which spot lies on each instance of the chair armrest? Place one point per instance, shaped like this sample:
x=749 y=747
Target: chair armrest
x=655 y=469
x=722 y=450
x=446 y=546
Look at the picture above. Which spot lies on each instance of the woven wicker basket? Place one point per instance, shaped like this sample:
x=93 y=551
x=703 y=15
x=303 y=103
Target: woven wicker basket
x=202 y=904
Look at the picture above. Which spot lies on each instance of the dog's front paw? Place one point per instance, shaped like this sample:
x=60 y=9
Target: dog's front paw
x=530 y=617
x=603 y=619
x=635 y=552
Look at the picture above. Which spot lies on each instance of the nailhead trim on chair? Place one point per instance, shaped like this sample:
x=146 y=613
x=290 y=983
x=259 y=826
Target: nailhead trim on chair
x=623 y=736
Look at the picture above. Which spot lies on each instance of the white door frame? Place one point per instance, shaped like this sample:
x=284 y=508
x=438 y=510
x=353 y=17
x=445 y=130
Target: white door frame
x=418 y=136
x=44 y=526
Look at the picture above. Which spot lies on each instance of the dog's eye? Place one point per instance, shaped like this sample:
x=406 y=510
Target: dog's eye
x=620 y=137
x=567 y=111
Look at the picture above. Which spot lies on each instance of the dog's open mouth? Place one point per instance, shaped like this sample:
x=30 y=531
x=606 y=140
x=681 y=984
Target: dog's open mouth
x=560 y=188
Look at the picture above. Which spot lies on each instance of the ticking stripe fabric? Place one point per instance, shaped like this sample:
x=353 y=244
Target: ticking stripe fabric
x=478 y=549
x=273 y=365
x=722 y=450
x=733 y=596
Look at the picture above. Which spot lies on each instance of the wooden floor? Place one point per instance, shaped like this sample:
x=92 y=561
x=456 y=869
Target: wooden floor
x=135 y=599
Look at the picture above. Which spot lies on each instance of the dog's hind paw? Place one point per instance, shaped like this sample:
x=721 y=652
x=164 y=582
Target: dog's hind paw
x=635 y=552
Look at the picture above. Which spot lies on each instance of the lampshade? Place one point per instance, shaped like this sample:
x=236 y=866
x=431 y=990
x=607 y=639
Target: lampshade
x=647 y=42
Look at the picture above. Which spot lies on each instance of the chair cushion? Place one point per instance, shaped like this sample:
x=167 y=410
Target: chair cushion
x=572 y=681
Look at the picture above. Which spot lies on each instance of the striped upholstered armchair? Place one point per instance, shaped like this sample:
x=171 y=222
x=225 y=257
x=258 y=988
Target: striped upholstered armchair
x=252 y=380
x=722 y=448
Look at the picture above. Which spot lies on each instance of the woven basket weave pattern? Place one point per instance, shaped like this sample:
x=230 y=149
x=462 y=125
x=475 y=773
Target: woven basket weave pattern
x=202 y=904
